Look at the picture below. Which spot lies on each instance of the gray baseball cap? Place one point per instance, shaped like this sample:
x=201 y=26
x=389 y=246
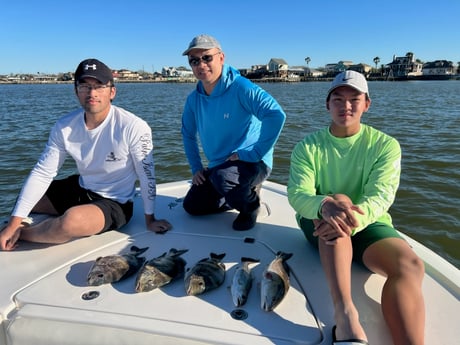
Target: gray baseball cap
x=349 y=78
x=202 y=42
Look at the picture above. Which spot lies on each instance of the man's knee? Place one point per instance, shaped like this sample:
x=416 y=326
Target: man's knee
x=412 y=265
x=84 y=220
x=191 y=207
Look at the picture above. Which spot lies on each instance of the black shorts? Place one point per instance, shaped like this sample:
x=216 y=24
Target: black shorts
x=360 y=241
x=66 y=193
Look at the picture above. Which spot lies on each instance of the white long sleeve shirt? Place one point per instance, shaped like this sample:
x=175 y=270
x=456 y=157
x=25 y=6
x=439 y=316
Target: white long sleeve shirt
x=109 y=158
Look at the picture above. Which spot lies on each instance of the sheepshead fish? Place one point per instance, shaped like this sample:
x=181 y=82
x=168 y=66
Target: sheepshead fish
x=112 y=268
x=161 y=270
x=207 y=274
x=275 y=282
x=242 y=282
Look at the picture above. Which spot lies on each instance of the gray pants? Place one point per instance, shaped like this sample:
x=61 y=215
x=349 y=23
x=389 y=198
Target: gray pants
x=233 y=184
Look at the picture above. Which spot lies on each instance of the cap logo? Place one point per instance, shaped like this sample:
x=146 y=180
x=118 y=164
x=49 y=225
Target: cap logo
x=345 y=79
x=87 y=67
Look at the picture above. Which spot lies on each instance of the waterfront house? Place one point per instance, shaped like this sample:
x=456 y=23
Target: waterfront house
x=361 y=68
x=439 y=69
x=333 y=69
x=278 y=67
x=404 y=67
x=125 y=74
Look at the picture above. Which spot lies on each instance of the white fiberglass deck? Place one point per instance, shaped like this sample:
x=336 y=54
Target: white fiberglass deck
x=42 y=287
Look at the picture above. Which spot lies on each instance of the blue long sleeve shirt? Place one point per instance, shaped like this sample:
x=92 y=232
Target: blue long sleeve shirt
x=238 y=116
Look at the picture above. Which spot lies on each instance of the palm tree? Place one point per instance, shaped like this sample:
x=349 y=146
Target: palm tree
x=307 y=70
x=376 y=61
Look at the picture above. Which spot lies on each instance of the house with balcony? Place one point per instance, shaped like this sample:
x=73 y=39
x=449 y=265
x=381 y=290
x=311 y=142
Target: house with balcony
x=403 y=68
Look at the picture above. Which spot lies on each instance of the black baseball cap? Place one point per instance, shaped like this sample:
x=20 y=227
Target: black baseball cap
x=93 y=68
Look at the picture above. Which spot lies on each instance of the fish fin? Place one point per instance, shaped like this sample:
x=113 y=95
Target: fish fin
x=177 y=252
x=138 y=251
x=247 y=259
x=284 y=256
x=217 y=256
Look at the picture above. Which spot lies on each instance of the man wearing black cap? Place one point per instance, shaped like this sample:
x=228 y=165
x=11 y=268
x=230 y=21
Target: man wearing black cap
x=112 y=149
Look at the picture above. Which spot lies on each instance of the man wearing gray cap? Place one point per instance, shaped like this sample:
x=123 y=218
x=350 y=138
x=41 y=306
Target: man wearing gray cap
x=343 y=180
x=238 y=124
x=112 y=149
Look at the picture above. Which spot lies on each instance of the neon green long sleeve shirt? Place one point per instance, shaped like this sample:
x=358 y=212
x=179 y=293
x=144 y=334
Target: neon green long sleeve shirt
x=366 y=167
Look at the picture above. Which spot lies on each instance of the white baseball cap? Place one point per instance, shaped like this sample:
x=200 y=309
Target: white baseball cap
x=349 y=78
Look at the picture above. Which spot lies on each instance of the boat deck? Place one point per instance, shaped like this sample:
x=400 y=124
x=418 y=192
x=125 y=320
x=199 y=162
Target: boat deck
x=45 y=298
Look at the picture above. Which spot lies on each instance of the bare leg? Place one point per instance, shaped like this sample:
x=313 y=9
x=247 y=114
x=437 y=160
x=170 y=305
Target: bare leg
x=336 y=260
x=45 y=206
x=402 y=300
x=78 y=221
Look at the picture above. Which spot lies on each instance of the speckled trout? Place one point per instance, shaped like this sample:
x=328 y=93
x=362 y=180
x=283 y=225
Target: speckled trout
x=242 y=281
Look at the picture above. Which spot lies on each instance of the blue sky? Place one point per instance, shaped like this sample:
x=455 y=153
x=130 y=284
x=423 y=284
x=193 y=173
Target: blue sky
x=54 y=36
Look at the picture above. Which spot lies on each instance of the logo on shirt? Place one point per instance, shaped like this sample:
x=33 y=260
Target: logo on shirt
x=111 y=157
x=226 y=116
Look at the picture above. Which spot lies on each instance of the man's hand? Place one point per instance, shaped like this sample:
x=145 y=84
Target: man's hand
x=159 y=226
x=9 y=235
x=326 y=232
x=338 y=220
x=199 y=178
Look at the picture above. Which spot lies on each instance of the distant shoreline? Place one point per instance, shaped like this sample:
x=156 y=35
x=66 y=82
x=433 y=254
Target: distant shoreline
x=192 y=80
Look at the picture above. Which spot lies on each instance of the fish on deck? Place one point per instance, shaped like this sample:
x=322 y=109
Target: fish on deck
x=161 y=270
x=112 y=268
x=242 y=281
x=275 y=282
x=207 y=274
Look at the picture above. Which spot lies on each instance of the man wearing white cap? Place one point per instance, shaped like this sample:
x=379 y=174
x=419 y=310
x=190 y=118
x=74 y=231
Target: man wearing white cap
x=238 y=124
x=343 y=180
x=112 y=149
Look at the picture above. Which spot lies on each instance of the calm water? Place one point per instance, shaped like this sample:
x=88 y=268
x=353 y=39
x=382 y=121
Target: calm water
x=423 y=116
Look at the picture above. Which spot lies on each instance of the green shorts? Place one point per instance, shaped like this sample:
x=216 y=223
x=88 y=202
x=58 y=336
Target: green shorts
x=360 y=241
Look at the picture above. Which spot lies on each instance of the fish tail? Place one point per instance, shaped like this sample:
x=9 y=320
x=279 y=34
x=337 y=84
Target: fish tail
x=247 y=259
x=217 y=256
x=138 y=251
x=284 y=256
x=177 y=252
